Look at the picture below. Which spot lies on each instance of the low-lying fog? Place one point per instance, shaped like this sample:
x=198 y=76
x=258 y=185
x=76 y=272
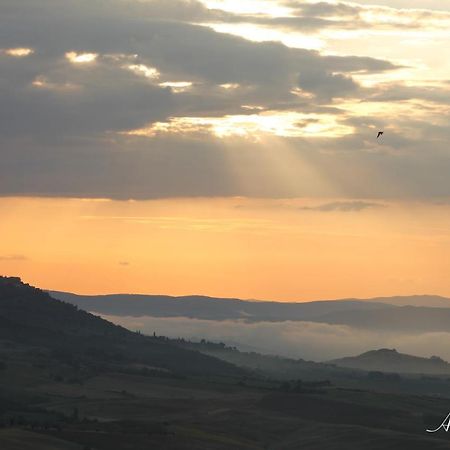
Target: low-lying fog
x=307 y=340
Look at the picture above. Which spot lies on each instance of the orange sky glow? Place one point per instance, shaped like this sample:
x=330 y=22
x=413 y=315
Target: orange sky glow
x=263 y=249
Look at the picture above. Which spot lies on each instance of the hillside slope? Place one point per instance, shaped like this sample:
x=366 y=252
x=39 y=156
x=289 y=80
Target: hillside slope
x=387 y=360
x=31 y=317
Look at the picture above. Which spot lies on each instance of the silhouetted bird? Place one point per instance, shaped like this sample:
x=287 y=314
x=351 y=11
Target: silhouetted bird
x=380 y=133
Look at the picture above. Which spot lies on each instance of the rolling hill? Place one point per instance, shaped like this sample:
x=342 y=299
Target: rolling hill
x=71 y=380
x=211 y=308
x=374 y=314
x=389 y=360
x=30 y=317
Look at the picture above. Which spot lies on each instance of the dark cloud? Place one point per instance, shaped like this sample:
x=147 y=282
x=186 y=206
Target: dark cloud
x=308 y=17
x=104 y=96
x=60 y=123
x=401 y=15
x=183 y=165
x=353 y=206
x=325 y=9
x=397 y=92
x=121 y=168
x=327 y=85
x=84 y=101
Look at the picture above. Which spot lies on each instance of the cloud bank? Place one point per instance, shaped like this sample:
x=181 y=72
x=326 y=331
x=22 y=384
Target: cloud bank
x=130 y=99
x=352 y=206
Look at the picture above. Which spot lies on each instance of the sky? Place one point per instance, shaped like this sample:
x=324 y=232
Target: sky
x=226 y=147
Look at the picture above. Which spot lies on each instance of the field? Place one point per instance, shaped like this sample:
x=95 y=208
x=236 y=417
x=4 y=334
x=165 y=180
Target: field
x=131 y=412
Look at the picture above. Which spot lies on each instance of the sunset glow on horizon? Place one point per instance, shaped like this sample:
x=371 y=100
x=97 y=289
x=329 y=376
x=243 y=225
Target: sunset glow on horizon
x=284 y=250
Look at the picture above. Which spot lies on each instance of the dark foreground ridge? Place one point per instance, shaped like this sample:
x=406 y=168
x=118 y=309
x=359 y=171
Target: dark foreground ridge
x=30 y=316
x=72 y=381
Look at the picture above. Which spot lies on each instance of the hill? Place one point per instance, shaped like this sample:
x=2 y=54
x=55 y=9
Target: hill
x=374 y=314
x=432 y=380
x=30 y=317
x=387 y=360
x=426 y=301
x=70 y=380
x=212 y=308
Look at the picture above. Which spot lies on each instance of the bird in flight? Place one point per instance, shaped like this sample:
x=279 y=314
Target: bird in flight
x=380 y=133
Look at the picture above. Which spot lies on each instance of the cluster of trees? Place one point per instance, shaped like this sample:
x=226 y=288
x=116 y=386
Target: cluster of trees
x=203 y=344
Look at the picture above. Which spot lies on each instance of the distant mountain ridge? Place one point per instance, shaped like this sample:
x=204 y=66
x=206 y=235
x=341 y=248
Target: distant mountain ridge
x=425 y=301
x=390 y=360
x=376 y=313
x=211 y=308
